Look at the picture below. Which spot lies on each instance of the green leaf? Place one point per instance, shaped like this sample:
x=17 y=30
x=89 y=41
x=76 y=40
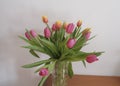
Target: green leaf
x=37 y=63
x=49 y=52
x=67 y=52
x=75 y=56
x=84 y=63
x=49 y=45
x=33 y=53
x=42 y=81
x=40 y=49
x=45 y=66
x=62 y=33
x=34 y=40
x=98 y=53
x=36 y=48
x=26 y=40
x=77 y=33
x=50 y=68
x=42 y=37
x=55 y=35
x=79 y=44
x=80 y=56
x=74 y=33
x=70 y=70
x=92 y=37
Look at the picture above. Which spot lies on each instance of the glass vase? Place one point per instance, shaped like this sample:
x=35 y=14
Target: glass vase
x=60 y=74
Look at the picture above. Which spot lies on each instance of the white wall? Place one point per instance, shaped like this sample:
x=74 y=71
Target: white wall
x=103 y=16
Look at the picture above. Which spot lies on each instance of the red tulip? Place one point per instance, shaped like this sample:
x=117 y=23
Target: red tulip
x=71 y=42
x=43 y=72
x=70 y=28
x=91 y=58
x=47 y=32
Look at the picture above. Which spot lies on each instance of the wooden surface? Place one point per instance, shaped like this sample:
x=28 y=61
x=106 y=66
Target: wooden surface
x=86 y=80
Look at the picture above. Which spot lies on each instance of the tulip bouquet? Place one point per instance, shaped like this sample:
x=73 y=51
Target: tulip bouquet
x=61 y=42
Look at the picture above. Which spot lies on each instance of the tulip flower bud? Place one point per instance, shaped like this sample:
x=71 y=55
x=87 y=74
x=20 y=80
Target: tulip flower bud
x=58 y=24
x=43 y=72
x=33 y=33
x=91 y=58
x=45 y=19
x=65 y=25
x=87 y=36
x=27 y=35
x=86 y=33
x=79 y=23
x=70 y=28
x=54 y=27
x=47 y=32
x=71 y=42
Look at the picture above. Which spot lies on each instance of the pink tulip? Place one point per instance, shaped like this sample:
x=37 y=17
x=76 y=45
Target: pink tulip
x=70 y=28
x=54 y=27
x=27 y=35
x=33 y=33
x=47 y=32
x=91 y=58
x=43 y=72
x=71 y=42
x=87 y=35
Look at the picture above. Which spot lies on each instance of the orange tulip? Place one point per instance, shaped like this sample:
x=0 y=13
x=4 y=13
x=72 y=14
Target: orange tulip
x=79 y=23
x=58 y=24
x=65 y=25
x=45 y=19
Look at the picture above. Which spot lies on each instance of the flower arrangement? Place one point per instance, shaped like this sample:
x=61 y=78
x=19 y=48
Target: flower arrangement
x=62 y=43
